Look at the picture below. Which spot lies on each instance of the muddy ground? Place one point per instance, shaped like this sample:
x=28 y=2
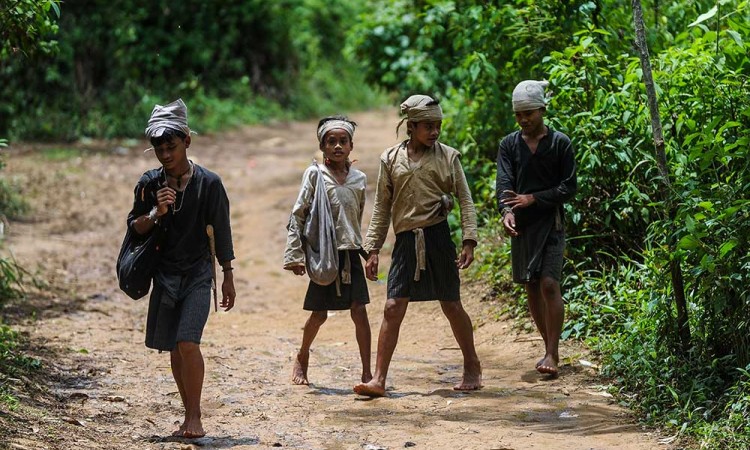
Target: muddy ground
x=107 y=391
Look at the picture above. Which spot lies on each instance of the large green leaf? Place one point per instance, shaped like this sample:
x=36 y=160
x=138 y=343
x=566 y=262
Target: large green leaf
x=705 y=16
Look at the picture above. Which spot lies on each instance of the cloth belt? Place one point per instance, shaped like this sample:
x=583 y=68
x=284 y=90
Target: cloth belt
x=345 y=276
x=420 y=249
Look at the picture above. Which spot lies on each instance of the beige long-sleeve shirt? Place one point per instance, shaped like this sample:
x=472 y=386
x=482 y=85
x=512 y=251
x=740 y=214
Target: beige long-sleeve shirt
x=410 y=193
x=347 y=203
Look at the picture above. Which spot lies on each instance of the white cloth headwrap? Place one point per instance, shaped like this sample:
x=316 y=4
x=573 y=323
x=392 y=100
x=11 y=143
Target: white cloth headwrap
x=529 y=95
x=416 y=110
x=172 y=116
x=333 y=124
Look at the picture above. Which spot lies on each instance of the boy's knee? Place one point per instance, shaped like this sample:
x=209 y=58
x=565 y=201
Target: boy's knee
x=187 y=347
x=549 y=286
x=318 y=317
x=394 y=310
x=451 y=308
x=358 y=310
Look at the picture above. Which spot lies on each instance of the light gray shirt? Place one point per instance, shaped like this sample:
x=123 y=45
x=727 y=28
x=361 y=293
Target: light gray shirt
x=347 y=203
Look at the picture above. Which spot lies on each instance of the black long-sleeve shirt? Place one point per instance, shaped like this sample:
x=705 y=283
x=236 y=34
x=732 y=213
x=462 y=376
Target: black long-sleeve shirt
x=204 y=201
x=549 y=174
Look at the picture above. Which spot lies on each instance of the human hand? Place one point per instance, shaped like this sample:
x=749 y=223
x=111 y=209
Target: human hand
x=467 y=255
x=228 y=293
x=509 y=223
x=515 y=201
x=165 y=197
x=371 y=267
x=297 y=270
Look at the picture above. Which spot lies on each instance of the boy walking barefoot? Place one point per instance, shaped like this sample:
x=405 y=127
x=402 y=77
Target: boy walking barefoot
x=345 y=187
x=416 y=184
x=536 y=175
x=182 y=198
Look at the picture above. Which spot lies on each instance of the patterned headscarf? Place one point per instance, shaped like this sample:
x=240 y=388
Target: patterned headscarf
x=529 y=95
x=172 y=116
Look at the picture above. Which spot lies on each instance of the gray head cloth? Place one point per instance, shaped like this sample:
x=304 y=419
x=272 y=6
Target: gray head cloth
x=332 y=125
x=415 y=109
x=529 y=95
x=172 y=116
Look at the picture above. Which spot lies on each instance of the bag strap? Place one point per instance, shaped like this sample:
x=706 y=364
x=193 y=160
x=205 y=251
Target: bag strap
x=320 y=179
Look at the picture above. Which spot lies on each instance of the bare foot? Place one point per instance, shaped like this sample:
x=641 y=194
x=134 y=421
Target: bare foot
x=472 y=378
x=539 y=363
x=191 y=429
x=178 y=432
x=548 y=365
x=366 y=376
x=370 y=389
x=299 y=373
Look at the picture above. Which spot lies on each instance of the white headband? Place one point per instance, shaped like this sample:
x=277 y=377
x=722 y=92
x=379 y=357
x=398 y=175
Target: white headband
x=333 y=124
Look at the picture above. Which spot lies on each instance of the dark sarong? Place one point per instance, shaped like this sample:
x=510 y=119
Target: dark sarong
x=324 y=298
x=439 y=281
x=538 y=251
x=178 y=309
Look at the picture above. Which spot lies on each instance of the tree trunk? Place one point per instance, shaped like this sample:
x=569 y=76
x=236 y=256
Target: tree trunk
x=678 y=288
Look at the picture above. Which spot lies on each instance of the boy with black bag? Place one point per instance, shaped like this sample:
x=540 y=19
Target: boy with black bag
x=178 y=201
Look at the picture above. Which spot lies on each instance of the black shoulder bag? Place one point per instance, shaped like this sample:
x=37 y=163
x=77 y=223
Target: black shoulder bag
x=138 y=258
x=139 y=255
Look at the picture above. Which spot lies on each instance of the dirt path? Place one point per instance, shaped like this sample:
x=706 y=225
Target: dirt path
x=111 y=392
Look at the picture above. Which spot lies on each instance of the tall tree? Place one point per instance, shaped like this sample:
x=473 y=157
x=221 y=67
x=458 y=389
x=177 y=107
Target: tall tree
x=678 y=287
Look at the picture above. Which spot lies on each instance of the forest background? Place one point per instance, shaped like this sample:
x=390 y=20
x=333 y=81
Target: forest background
x=677 y=354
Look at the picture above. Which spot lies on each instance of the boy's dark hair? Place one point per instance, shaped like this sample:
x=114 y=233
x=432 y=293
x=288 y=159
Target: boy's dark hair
x=167 y=136
x=336 y=117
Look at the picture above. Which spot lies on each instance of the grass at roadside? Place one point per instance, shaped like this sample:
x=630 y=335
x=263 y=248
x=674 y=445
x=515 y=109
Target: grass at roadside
x=15 y=364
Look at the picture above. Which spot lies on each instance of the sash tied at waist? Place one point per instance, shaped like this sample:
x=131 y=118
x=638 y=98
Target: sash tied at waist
x=420 y=249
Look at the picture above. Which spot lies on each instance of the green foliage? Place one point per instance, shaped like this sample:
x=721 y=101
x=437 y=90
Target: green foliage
x=659 y=385
x=26 y=25
x=492 y=257
x=492 y=264
x=472 y=53
x=11 y=203
x=11 y=278
x=13 y=363
x=597 y=101
x=233 y=62
x=734 y=431
x=703 y=95
x=604 y=301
